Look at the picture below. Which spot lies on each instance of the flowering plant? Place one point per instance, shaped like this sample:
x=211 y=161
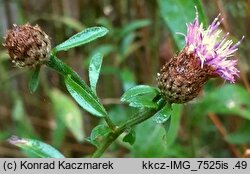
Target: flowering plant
x=205 y=55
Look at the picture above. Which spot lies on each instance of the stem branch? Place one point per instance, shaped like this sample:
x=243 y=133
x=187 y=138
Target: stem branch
x=65 y=70
x=138 y=118
x=141 y=116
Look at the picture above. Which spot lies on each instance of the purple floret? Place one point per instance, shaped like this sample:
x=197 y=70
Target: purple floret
x=212 y=49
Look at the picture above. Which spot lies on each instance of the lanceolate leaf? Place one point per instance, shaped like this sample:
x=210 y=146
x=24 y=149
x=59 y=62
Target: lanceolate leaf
x=173 y=128
x=68 y=113
x=94 y=70
x=140 y=96
x=81 y=38
x=34 y=80
x=137 y=91
x=163 y=115
x=84 y=98
x=41 y=149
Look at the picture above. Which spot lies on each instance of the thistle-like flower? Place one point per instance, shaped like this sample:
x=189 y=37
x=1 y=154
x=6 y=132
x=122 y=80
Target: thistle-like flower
x=204 y=56
x=27 y=45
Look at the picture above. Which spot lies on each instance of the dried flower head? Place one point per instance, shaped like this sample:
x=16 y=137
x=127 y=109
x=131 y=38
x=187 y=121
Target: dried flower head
x=27 y=45
x=204 y=56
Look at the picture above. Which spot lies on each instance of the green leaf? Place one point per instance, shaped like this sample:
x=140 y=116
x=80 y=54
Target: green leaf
x=130 y=137
x=66 y=70
x=163 y=115
x=68 y=112
x=137 y=91
x=167 y=124
x=98 y=134
x=81 y=38
x=173 y=128
x=126 y=43
x=176 y=13
x=140 y=96
x=43 y=150
x=94 y=70
x=34 y=80
x=230 y=99
x=143 y=101
x=84 y=98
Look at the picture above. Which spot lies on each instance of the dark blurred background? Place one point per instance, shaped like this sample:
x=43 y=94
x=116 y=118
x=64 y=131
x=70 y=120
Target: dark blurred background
x=138 y=44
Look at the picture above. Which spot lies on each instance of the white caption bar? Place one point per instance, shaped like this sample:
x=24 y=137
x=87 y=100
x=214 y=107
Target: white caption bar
x=125 y=165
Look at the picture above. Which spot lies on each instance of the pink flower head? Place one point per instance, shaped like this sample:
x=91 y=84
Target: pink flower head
x=211 y=48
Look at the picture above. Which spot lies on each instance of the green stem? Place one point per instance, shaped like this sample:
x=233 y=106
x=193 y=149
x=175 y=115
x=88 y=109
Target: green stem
x=109 y=122
x=65 y=70
x=138 y=118
x=141 y=116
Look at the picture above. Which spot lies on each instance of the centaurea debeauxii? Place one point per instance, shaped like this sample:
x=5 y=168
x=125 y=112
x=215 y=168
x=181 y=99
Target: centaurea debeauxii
x=27 y=45
x=204 y=56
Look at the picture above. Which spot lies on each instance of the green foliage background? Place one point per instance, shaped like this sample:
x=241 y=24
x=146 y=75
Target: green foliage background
x=142 y=37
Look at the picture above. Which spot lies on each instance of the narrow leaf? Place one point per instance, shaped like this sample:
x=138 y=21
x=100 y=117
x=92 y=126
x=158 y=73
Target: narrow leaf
x=138 y=90
x=34 y=80
x=69 y=114
x=84 y=98
x=81 y=38
x=43 y=150
x=145 y=100
x=94 y=70
x=140 y=96
x=163 y=115
x=173 y=128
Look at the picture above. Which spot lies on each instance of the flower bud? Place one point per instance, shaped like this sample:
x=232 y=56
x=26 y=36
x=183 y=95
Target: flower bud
x=27 y=45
